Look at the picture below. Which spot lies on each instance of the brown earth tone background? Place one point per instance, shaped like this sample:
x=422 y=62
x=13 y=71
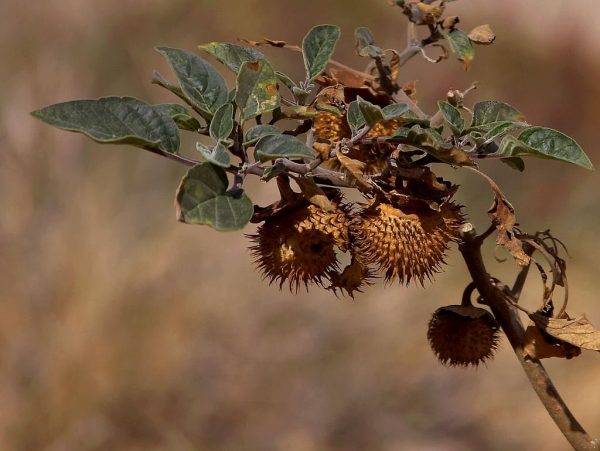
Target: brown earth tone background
x=121 y=329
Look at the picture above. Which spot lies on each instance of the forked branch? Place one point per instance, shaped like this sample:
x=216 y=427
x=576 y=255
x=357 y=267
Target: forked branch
x=508 y=318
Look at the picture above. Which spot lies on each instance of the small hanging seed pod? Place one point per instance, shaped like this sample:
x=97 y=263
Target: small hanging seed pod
x=406 y=244
x=298 y=245
x=463 y=335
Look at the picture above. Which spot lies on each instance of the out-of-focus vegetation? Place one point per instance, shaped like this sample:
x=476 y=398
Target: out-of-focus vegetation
x=121 y=329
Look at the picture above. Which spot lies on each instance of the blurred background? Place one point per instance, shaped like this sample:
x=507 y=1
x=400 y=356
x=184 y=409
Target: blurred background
x=121 y=329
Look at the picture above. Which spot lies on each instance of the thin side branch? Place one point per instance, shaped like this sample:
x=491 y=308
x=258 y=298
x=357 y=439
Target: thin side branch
x=511 y=324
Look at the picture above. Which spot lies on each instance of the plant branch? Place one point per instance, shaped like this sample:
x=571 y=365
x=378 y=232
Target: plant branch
x=510 y=322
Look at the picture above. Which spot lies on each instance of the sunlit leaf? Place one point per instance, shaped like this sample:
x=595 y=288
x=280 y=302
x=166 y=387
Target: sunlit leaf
x=115 y=120
x=281 y=146
x=256 y=89
x=217 y=155
x=232 y=55
x=318 y=46
x=202 y=198
x=200 y=82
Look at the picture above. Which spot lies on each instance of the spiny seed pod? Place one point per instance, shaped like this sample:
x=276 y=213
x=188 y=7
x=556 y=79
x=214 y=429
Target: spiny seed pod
x=298 y=245
x=356 y=276
x=406 y=244
x=330 y=127
x=463 y=335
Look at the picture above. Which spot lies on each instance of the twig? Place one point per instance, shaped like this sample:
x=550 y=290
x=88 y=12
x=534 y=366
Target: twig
x=511 y=324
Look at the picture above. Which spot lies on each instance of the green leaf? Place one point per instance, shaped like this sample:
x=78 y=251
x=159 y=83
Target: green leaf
x=115 y=120
x=221 y=124
x=372 y=113
x=281 y=146
x=549 y=143
x=500 y=129
x=394 y=111
x=180 y=114
x=217 y=155
x=355 y=118
x=232 y=55
x=257 y=132
x=492 y=113
x=432 y=142
x=202 y=198
x=461 y=46
x=365 y=43
x=453 y=117
x=318 y=46
x=286 y=80
x=256 y=89
x=202 y=85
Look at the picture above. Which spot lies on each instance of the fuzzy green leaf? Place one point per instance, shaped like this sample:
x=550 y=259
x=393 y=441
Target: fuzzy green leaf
x=180 y=114
x=256 y=89
x=365 y=43
x=461 y=46
x=221 y=124
x=372 y=113
x=217 y=155
x=281 y=146
x=115 y=120
x=318 y=46
x=514 y=163
x=492 y=113
x=355 y=118
x=202 y=198
x=232 y=55
x=394 y=111
x=257 y=132
x=549 y=143
x=202 y=85
x=452 y=117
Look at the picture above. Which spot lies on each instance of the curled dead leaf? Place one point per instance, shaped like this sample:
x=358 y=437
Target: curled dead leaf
x=314 y=194
x=482 y=35
x=537 y=346
x=355 y=169
x=577 y=332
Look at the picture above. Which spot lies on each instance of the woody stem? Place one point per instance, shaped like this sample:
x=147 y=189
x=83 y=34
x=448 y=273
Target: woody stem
x=508 y=318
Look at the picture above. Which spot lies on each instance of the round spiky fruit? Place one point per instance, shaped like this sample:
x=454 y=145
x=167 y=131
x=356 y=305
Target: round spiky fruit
x=298 y=245
x=406 y=244
x=463 y=335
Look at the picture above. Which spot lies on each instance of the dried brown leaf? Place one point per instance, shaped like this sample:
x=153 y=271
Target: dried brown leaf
x=536 y=346
x=354 y=168
x=449 y=22
x=482 y=35
x=394 y=65
x=410 y=89
x=430 y=13
x=577 y=332
x=314 y=194
x=350 y=78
